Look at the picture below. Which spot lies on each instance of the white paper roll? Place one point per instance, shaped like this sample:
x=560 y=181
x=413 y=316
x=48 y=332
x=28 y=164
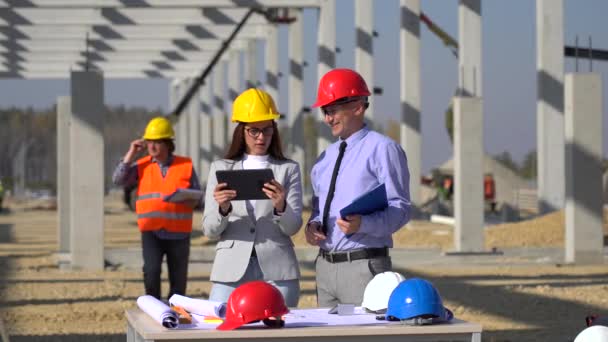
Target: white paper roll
x=159 y=311
x=199 y=306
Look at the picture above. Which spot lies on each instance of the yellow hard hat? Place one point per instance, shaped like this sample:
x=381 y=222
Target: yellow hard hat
x=254 y=105
x=159 y=128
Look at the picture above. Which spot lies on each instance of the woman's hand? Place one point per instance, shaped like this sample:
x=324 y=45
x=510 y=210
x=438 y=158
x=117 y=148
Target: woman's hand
x=275 y=191
x=223 y=197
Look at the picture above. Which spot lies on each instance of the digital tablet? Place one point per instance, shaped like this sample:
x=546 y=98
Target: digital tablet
x=181 y=195
x=247 y=183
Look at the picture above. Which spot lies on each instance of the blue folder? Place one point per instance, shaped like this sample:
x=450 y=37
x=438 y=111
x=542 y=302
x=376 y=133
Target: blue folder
x=369 y=202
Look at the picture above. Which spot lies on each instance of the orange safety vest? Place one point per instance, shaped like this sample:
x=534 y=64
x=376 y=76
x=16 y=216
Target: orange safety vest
x=152 y=212
x=489 y=188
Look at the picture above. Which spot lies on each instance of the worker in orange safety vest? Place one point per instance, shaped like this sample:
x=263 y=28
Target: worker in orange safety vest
x=165 y=226
x=489 y=191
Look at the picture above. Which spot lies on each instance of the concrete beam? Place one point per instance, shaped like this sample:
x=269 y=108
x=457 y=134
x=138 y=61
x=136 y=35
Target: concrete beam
x=584 y=201
x=550 y=104
x=108 y=74
x=364 y=48
x=70 y=15
x=87 y=171
x=409 y=94
x=295 y=116
x=235 y=73
x=468 y=174
x=78 y=45
x=469 y=48
x=206 y=131
x=219 y=110
x=120 y=32
x=174 y=97
x=168 y=56
x=192 y=67
x=160 y=3
x=183 y=122
x=326 y=39
x=64 y=114
x=194 y=133
x=250 y=63
x=271 y=57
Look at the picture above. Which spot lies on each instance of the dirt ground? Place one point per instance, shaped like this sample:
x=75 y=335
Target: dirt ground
x=40 y=302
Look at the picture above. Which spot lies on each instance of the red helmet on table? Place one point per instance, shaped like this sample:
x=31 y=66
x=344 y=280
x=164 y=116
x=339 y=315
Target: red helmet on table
x=251 y=302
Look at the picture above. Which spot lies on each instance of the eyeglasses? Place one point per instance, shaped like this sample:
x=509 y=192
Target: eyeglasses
x=255 y=132
x=332 y=109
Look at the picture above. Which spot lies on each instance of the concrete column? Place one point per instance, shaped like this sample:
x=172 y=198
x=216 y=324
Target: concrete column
x=206 y=131
x=193 y=128
x=409 y=95
x=234 y=85
x=19 y=166
x=583 y=134
x=326 y=38
x=272 y=62
x=550 y=104
x=64 y=114
x=87 y=171
x=469 y=48
x=181 y=129
x=174 y=97
x=219 y=111
x=295 y=117
x=173 y=93
x=468 y=174
x=364 y=48
x=251 y=60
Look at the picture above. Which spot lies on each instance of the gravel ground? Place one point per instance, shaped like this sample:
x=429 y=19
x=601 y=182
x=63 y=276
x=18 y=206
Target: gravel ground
x=40 y=302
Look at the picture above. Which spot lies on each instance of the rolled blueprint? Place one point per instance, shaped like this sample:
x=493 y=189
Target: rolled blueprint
x=199 y=306
x=159 y=311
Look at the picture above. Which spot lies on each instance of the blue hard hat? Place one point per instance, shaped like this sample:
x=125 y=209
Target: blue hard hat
x=415 y=298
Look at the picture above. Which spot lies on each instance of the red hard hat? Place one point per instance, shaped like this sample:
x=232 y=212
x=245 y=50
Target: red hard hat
x=253 y=301
x=340 y=83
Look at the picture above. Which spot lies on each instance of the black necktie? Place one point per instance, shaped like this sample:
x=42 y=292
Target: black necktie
x=332 y=187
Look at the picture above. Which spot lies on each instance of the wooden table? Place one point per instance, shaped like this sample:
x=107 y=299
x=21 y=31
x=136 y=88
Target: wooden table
x=141 y=327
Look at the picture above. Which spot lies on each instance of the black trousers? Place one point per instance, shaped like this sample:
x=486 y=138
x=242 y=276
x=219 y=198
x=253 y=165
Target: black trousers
x=177 y=252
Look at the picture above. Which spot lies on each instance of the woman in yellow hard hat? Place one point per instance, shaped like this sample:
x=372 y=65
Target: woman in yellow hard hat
x=255 y=235
x=165 y=226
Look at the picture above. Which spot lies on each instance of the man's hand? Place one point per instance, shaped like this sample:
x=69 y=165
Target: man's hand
x=223 y=196
x=313 y=233
x=137 y=146
x=275 y=191
x=351 y=225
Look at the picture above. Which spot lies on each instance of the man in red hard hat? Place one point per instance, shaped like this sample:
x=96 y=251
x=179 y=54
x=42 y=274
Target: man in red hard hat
x=354 y=248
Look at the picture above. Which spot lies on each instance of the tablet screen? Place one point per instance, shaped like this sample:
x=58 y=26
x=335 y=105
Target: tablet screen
x=247 y=183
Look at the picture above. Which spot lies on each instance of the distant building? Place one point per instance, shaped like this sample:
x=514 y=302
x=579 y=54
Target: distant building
x=508 y=183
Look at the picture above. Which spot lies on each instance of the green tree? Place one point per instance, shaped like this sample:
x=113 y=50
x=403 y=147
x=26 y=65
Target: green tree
x=506 y=160
x=449 y=122
x=529 y=166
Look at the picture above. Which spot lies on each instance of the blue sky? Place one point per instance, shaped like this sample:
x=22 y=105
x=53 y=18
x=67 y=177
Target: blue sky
x=509 y=75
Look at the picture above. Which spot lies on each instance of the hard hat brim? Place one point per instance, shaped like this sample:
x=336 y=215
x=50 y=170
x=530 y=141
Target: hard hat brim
x=157 y=137
x=229 y=325
x=264 y=118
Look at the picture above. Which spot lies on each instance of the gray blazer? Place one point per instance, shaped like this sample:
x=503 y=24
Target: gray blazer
x=238 y=233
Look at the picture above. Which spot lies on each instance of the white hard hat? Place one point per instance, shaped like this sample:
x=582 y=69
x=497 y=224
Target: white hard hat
x=596 y=333
x=379 y=289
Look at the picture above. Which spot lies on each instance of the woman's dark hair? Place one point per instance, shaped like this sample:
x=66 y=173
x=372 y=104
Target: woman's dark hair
x=238 y=147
